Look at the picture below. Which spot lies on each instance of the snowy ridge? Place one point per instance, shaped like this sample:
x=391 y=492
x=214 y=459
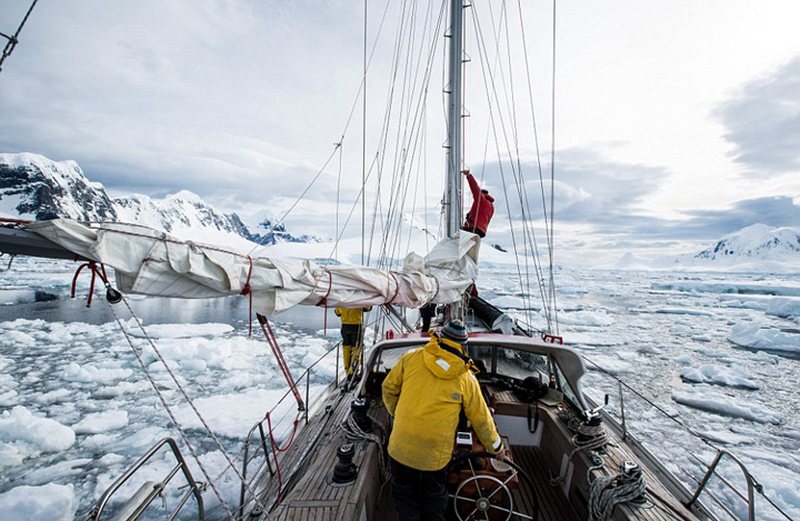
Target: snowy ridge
x=758 y=240
x=34 y=187
x=37 y=188
x=757 y=248
x=754 y=248
x=182 y=214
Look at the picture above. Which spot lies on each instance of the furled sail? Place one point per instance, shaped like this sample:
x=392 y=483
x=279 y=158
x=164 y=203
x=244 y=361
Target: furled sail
x=151 y=262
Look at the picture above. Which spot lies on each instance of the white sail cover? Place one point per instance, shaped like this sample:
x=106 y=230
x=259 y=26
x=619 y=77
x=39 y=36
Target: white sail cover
x=151 y=262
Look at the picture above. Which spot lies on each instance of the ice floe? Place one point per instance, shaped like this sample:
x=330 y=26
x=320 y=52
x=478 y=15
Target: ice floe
x=22 y=435
x=184 y=330
x=737 y=287
x=49 y=502
x=724 y=405
x=726 y=376
x=753 y=336
x=98 y=422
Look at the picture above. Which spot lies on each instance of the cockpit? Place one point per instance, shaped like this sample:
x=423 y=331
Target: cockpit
x=530 y=385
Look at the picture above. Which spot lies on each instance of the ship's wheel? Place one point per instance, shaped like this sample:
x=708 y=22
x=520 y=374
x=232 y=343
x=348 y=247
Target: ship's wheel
x=484 y=496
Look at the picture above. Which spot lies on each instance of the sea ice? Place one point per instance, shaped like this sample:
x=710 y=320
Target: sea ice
x=785 y=308
x=184 y=330
x=753 y=336
x=586 y=318
x=57 y=472
x=726 y=376
x=101 y=422
x=20 y=426
x=725 y=436
x=232 y=415
x=725 y=405
x=17 y=338
x=509 y=302
x=682 y=311
x=49 y=502
x=94 y=373
x=744 y=288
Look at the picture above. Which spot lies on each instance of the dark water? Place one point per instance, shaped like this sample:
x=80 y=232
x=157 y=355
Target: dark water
x=159 y=310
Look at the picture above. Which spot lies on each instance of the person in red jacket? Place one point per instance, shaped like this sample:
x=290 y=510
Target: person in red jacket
x=480 y=214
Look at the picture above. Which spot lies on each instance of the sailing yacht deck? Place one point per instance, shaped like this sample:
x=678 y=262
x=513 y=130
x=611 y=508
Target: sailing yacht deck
x=314 y=496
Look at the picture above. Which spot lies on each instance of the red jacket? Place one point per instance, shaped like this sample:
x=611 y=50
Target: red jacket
x=482 y=209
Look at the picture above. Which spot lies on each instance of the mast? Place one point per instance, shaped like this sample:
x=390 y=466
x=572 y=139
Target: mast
x=453 y=191
x=452 y=200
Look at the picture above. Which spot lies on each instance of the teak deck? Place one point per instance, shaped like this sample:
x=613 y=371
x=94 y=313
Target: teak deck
x=312 y=495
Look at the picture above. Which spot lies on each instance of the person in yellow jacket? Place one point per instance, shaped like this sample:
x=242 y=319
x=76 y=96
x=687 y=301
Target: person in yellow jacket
x=425 y=393
x=352 y=336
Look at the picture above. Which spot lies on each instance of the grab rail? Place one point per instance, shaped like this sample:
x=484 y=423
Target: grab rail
x=143 y=497
x=751 y=483
x=263 y=445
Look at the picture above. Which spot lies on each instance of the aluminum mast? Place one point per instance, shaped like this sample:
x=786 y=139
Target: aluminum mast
x=452 y=201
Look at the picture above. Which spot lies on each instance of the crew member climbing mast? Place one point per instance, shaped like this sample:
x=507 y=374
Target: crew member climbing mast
x=482 y=209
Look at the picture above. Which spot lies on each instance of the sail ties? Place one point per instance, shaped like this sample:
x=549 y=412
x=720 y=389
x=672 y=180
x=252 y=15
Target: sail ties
x=324 y=300
x=249 y=294
x=396 y=287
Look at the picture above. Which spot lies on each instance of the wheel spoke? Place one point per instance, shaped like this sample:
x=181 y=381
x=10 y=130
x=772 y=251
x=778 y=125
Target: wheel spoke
x=463 y=498
x=475 y=476
x=512 y=512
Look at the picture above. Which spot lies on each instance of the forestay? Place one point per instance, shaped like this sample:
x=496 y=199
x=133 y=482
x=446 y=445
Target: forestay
x=151 y=262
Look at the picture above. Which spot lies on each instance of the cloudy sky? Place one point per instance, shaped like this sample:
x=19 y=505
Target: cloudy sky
x=676 y=122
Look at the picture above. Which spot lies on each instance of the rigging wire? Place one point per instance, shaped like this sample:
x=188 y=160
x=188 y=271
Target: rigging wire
x=532 y=239
x=415 y=135
x=516 y=173
x=338 y=196
x=553 y=172
x=491 y=92
x=336 y=145
x=363 y=141
x=408 y=132
x=13 y=40
x=169 y=411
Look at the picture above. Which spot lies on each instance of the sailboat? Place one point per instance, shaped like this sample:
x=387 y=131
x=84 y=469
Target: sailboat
x=568 y=457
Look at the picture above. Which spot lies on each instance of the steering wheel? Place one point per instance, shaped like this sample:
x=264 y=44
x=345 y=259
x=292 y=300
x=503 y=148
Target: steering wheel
x=483 y=497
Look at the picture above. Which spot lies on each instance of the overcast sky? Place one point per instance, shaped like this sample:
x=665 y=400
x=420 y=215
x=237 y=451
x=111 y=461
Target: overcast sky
x=676 y=122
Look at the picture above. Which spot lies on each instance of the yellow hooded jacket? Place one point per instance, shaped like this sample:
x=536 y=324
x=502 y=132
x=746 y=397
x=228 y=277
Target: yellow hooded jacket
x=425 y=392
x=352 y=316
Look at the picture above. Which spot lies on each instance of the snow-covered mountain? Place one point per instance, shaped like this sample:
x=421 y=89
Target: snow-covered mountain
x=177 y=213
x=36 y=188
x=758 y=248
x=756 y=241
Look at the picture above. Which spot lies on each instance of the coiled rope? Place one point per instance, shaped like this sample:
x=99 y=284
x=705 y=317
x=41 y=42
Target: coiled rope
x=354 y=432
x=589 y=438
x=606 y=492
